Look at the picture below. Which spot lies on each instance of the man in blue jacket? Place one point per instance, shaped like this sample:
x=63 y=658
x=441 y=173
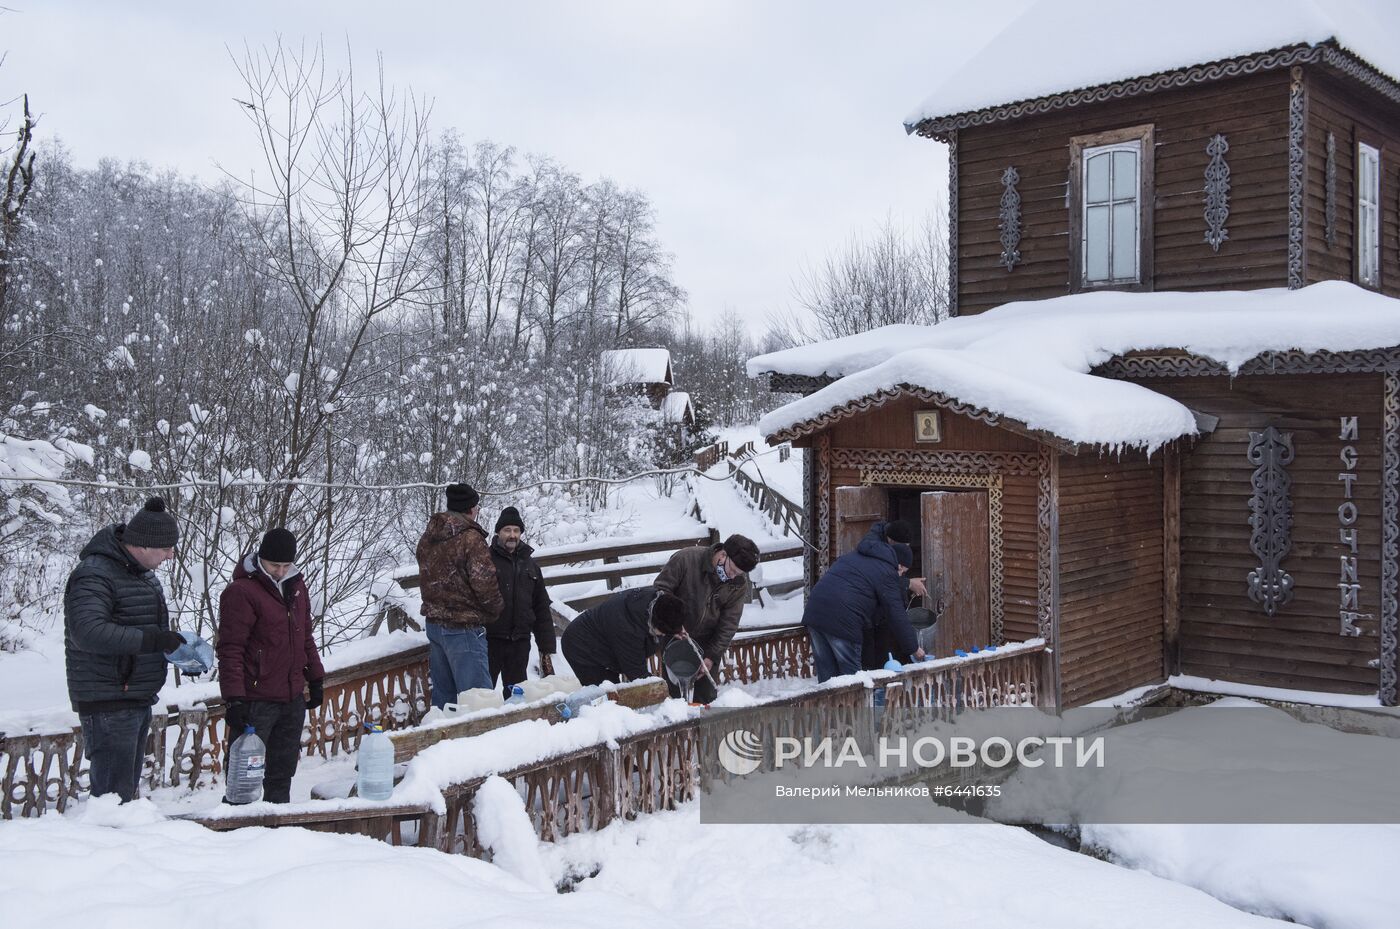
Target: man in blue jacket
x=858 y=593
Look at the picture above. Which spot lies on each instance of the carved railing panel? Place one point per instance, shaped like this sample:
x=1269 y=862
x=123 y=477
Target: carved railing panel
x=1217 y=210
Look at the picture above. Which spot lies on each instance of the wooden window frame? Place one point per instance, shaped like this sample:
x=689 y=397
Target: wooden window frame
x=1074 y=202
x=1365 y=140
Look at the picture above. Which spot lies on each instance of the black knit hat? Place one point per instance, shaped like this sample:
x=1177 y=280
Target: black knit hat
x=152 y=527
x=461 y=498
x=904 y=555
x=742 y=551
x=510 y=516
x=899 y=531
x=278 y=545
x=669 y=613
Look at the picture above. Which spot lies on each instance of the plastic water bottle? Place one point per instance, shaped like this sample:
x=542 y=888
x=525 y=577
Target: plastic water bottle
x=375 y=778
x=892 y=664
x=579 y=699
x=247 y=761
x=517 y=694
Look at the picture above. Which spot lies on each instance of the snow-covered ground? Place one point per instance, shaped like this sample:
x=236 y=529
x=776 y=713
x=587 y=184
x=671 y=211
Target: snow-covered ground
x=119 y=867
x=1327 y=876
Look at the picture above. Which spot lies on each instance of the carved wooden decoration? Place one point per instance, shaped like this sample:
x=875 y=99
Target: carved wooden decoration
x=1330 y=191
x=1297 y=175
x=1010 y=219
x=1217 y=192
x=1270 y=517
x=1390 y=539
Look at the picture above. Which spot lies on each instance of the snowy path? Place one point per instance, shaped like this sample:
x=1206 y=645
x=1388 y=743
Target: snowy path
x=135 y=870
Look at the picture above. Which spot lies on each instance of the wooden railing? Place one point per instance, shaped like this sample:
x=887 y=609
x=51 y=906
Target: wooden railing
x=779 y=509
x=44 y=771
x=709 y=456
x=660 y=769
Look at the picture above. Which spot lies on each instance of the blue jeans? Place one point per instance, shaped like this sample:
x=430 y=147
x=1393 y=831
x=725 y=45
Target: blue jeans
x=832 y=656
x=114 y=743
x=457 y=661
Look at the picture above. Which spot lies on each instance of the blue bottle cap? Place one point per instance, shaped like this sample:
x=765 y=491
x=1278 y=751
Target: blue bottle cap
x=989 y=648
x=249 y=728
x=960 y=653
x=565 y=711
x=976 y=649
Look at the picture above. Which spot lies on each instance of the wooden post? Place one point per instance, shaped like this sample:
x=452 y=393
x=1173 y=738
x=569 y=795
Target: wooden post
x=614 y=582
x=1171 y=561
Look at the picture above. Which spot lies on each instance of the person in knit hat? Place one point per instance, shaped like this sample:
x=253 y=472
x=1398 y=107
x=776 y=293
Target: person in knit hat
x=855 y=598
x=116 y=634
x=526 y=609
x=461 y=595
x=270 y=673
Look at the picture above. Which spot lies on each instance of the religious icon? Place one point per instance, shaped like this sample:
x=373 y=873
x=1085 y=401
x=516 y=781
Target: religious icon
x=926 y=426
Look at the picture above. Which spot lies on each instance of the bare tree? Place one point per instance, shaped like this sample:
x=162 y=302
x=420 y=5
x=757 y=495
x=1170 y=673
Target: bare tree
x=893 y=275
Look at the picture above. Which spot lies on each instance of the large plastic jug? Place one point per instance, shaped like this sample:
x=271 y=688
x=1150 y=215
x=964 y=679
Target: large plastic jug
x=375 y=778
x=247 y=762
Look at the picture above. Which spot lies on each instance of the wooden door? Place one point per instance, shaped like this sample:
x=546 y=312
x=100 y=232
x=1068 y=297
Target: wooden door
x=857 y=509
x=957 y=561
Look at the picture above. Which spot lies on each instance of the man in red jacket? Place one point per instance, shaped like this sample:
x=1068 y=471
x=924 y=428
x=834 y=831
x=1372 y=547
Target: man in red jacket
x=267 y=656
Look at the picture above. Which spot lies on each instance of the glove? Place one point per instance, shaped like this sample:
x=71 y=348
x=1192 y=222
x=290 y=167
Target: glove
x=546 y=665
x=235 y=718
x=163 y=640
x=318 y=694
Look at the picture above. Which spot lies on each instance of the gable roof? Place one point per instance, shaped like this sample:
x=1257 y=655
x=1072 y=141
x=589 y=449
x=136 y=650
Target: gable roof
x=1030 y=362
x=637 y=366
x=1063 y=52
x=676 y=408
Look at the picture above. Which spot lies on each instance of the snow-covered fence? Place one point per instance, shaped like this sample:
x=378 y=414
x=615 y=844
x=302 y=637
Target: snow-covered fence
x=47 y=770
x=659 y=769
x=709 y=456
x=782 y=511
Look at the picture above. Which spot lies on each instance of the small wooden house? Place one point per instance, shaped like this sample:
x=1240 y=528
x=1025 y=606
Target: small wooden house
x=645 y=372
x=1162 y=429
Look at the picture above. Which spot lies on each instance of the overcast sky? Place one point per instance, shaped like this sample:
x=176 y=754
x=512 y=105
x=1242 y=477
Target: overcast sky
x=765 y=133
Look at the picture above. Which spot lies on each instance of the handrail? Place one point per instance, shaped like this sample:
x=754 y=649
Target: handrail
x=658 y=769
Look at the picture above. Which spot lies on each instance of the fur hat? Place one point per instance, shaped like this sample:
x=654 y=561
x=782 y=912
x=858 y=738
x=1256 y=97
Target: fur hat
x=152 y=527
x=461 y=498
x=510 y=516
x=669 y=613
x=278 y=545
x=742 y=551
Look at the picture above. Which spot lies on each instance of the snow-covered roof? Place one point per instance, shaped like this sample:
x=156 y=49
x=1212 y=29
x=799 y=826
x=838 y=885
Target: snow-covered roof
x=1064 y=45
x=676 y=408
x=637 y=366
x=1029 y=361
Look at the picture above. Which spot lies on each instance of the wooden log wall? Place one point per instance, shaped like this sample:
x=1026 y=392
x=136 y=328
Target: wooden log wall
x=1350 y=114
x=1251 y=111
x=1111 y=574
x=1223 y=633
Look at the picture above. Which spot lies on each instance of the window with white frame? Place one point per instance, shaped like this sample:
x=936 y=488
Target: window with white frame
x=1368 y=215
x=1111 y=193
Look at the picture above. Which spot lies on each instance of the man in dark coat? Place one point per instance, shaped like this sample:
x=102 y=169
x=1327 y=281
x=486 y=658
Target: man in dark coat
x=116 y=634
x=526 y=607
x=267 y=656
x=713 y=581
x=859 y=591
x=461 y=596
x=613 y=640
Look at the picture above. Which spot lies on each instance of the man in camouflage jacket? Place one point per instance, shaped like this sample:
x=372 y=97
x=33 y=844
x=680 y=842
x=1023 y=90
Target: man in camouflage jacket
x=460 y=596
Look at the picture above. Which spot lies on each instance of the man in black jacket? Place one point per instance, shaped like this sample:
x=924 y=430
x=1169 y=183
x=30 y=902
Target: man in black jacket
x=526 y=607
x=612 y=641
x=116 y=633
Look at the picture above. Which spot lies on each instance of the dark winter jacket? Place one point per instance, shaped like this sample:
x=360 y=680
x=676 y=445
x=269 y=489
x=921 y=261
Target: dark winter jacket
x=112 y=611
x=614 y=634
x=266 y=649
x=715 y=606
x=456 y=574
x=526 y=607
x=860 y=591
